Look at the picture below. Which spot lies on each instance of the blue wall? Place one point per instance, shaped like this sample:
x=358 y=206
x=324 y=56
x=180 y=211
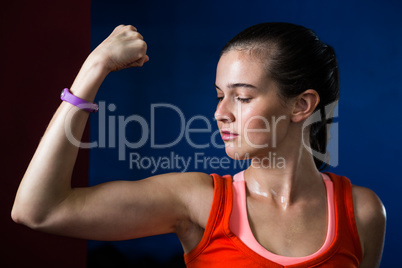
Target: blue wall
x=184 y=39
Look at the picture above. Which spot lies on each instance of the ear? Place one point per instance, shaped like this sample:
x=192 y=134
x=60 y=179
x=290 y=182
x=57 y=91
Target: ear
x=304 y=105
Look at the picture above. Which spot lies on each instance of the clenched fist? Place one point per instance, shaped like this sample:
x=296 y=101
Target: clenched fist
x=123 y=48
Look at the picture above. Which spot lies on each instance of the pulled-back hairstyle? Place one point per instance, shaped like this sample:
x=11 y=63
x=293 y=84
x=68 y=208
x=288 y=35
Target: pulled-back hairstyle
x=296 y=60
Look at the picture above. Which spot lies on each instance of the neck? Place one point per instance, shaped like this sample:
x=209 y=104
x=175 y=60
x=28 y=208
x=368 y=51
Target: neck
x=285 y=175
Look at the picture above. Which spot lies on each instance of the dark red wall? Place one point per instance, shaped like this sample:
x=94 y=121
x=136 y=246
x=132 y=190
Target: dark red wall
x=42 y=47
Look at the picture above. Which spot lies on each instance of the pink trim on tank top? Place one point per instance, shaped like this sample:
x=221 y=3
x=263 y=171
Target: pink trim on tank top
x=240 y=226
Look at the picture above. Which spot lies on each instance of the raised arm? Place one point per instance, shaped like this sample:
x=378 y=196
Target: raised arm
x=111 y=211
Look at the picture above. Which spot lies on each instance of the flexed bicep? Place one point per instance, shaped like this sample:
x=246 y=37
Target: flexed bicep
x=121 y=210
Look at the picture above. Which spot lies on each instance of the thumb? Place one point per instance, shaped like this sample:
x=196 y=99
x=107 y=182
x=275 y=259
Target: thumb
x=146 y=59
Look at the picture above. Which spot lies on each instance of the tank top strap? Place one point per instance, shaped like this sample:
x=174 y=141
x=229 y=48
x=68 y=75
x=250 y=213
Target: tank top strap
x=344 y=209
x=221 y=200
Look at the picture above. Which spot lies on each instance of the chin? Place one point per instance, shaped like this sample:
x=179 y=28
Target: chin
x=244 y=153
x=238 y=153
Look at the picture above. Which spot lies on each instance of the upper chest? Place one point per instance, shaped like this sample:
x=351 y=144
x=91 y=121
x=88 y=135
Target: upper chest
x=299 y=230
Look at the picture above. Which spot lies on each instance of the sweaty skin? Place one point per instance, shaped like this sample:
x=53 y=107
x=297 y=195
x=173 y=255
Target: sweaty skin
x=286 y=206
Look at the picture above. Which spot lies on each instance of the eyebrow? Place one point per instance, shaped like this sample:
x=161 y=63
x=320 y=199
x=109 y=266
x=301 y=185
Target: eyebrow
x=237 y=85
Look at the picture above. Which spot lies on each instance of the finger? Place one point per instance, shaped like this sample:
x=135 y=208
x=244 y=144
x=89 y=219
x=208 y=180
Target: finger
x=139 y=62
x=123 y=27
x=119 y=27
x=131 y=27
x=140 y=36
x=136 y=35
x=139 y=45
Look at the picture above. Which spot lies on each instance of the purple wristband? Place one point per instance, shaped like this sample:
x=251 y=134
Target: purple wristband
x=80 y=103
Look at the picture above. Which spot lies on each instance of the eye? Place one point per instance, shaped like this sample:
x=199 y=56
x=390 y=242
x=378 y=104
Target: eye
x=243 y=100
x=219 y=99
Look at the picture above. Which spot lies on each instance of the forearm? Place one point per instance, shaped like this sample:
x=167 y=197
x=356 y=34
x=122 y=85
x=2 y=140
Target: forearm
x=47 y=181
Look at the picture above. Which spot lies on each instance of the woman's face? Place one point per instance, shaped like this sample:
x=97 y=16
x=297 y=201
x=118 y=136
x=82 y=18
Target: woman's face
x=251 y=117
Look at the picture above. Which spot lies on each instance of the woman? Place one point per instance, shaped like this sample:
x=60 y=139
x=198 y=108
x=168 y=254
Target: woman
x=271 y=78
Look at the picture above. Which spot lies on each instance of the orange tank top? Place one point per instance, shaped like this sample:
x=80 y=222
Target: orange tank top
x=220 y=247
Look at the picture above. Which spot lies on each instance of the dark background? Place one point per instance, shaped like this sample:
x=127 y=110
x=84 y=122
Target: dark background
x=44 y=44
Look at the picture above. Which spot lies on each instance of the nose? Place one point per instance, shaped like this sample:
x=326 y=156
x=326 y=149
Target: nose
x=224 y=112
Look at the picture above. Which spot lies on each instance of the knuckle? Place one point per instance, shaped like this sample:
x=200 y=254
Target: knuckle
x=135 y=34
x=143 y=48
x=130 y=28
x=140 y=36
x=143 y=45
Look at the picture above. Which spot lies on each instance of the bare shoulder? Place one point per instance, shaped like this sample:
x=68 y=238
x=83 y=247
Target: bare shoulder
x=193 y=180
x=370 y=215
x=192 y=192
x=183 y=184
x=368 y=206
x=197 y=197
x=198 y=192
x=192 y=188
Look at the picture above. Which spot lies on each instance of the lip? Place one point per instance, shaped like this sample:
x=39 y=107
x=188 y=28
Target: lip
x=227 y=135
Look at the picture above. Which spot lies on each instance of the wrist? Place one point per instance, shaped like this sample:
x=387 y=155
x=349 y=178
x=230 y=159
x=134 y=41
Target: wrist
x=78 y=102
x=98 y=61
x=89 y=78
